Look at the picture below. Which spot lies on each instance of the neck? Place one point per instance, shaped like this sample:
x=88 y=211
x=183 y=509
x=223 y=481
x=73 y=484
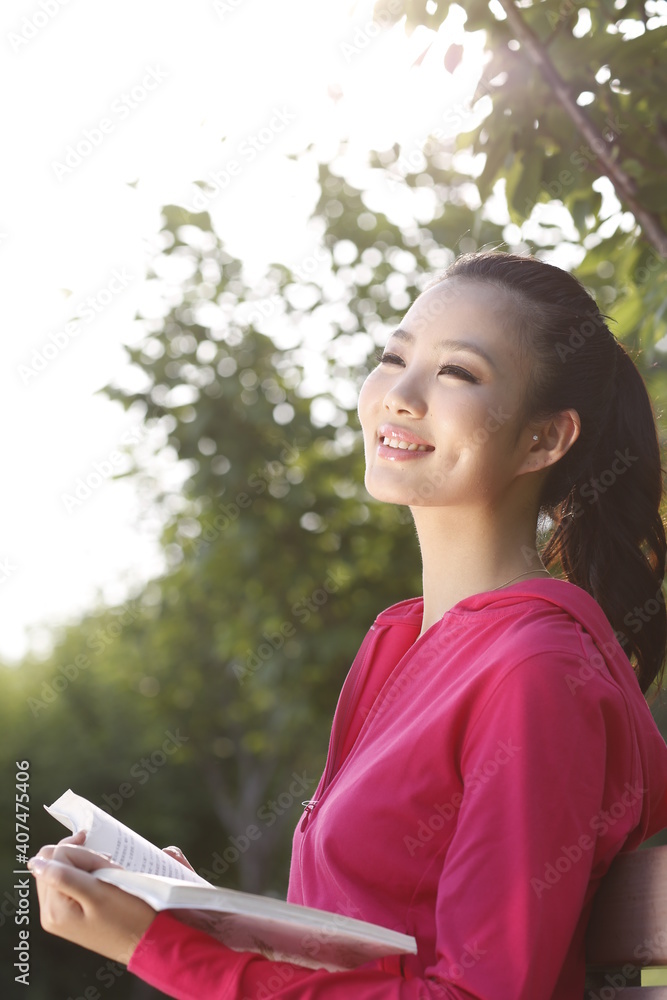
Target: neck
x=465 y=552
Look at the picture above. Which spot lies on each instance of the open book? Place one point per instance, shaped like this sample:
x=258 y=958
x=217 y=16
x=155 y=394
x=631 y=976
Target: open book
x=245 y=922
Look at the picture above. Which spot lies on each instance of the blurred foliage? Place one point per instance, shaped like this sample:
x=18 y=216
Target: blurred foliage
x=572 y=102
x=278 y=560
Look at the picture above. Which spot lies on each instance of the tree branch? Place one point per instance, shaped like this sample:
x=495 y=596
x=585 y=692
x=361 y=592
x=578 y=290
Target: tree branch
x=622 y=182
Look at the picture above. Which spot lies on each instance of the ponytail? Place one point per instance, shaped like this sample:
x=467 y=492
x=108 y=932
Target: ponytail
x=609 y=537
x=603 y=496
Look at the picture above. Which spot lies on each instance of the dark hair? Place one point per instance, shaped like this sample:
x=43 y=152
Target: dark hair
x=603 y=496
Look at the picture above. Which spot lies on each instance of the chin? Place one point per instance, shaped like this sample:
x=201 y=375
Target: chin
x=390 y=492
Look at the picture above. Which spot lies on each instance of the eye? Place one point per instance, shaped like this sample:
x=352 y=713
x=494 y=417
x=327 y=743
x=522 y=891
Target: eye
x=389 y=359
x=462 y=373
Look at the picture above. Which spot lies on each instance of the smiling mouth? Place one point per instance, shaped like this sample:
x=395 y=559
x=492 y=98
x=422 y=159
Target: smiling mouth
x=400 y=445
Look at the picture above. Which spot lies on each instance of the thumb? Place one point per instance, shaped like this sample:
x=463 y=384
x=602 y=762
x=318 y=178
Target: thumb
x=63 y=890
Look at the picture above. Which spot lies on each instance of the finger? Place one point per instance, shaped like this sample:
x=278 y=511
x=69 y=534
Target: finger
x=75 y=838
x=54 y=878
x=76 y=856
x=83 y=857
x=177 y=854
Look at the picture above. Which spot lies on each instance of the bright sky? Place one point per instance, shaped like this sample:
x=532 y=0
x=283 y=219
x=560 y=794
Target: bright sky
x=101 y=96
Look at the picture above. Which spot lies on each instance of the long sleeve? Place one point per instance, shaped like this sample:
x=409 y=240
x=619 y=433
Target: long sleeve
x=551 y=789
x=189 y=965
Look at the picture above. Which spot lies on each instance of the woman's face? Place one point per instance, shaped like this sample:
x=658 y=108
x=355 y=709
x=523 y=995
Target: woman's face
x=440 y=413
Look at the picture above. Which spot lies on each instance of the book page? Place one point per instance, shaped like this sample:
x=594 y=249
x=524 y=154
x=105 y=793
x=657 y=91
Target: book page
x=106 y=834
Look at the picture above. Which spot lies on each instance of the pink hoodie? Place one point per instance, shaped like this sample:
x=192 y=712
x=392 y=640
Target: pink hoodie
x=479 y=782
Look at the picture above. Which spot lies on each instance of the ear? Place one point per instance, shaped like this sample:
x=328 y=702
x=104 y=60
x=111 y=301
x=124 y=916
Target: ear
x=555 y=437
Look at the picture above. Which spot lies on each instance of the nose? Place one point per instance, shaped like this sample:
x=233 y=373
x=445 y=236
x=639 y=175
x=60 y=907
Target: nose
x=406 y=396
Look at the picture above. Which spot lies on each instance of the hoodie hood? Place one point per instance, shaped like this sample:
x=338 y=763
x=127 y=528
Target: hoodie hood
x=571 y=599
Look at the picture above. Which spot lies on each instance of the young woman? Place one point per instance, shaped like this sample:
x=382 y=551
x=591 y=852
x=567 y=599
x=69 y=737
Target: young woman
x=492 y=749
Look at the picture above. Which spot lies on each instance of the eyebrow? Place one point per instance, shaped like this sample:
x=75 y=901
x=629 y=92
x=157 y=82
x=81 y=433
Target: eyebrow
x=456 y=345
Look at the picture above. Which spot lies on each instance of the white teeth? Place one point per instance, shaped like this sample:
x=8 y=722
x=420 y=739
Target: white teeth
x=403 y=445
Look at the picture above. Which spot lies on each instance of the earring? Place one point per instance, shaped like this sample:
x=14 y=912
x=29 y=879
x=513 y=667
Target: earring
x=535 y=437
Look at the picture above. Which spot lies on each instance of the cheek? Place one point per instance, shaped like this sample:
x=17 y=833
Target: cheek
x=473 y=437
x=368 y=400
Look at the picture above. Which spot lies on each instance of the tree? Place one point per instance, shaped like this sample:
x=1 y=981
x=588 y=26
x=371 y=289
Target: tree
x=576 y=117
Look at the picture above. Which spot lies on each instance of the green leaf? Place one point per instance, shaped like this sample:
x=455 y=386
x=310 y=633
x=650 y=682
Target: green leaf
x=493 y=167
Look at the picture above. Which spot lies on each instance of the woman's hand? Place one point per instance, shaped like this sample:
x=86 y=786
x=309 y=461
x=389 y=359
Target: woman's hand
x=80 y=908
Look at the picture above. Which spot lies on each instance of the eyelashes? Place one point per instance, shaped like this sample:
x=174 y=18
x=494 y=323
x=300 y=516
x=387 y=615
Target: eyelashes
x=460 y=373
x=380 y=356
x=392 y=359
